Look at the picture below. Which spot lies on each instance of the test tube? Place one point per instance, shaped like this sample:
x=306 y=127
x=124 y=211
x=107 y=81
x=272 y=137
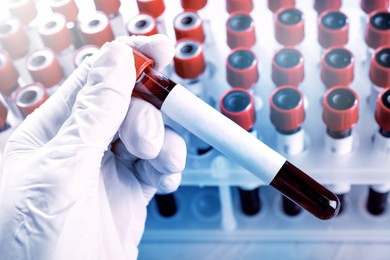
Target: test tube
x=188 y=24
x=96 y=30
x=238 y=105
x=141 y=24
x=369 y=6
x=184 y=108
x=239 y=5
x=156 y=9
x=289 y=26
x=193 y=5
x=81 y=54
x=274 y=5
x=379 y=73
x=45 y=68
x=111 y=9
x=240 y=30
x=377 y=32
x=30 y=97
x=337 y=67
x=333 y=29
x=166 y=204
x=57 y=37
x=288 y=67
x=324 y=5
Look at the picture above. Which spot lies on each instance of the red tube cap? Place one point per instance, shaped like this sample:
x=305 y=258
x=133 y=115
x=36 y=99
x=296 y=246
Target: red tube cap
x=68 y=8
x=193 y=5
x=96 y=30
x=142 y=24
x=274 y=5
x=25 y=10
x=84 y=52
x=8 y=75
x=238 y=105
x=340 y=108
x=380 y=67
x=337 y=67
x=13 y=38
x=289 y=26
x=239 y=5
x=333 y=29
x=288 y=67
x=55 y=34
x=241 y=68
x=371 y=5
x=3 y=115
x=287 y=108
x=189 y=61
x=189 y=25
x=153 y=7
x=44 y=67
x=109 y=7
x=382 y=110
x=378 y=29
x=30 y=97
x=240 y=30
x=324 y=5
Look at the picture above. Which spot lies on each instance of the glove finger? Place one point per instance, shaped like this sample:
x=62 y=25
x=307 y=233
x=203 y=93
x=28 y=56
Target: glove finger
x=158 y=47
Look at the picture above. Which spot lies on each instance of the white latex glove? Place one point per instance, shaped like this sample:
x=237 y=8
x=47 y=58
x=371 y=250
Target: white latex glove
x=68 y=191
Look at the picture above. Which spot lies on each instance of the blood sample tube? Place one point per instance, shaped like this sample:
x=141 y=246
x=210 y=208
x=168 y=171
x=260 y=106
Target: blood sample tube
x=379 y=73
x=141 y=24
x=289 y=26
x=288 y=67
x=324 y=5
x=111 y=9
x=337 y=67
x=70 y=10
x=30 y=97
x=57 y=37
x=238 y=105
x=189 y=25
x=156 y=9
x=333 y=29
x=377 y=32
x=239 y=5
x=274 y=5
x=377 y=198
x=242 y=68
x=184 y=108
x=96 y=30
x=193 y=5
x=81 y=54
x=45 y=68
x=369 y=6
x=166 y=204
x=240 y=30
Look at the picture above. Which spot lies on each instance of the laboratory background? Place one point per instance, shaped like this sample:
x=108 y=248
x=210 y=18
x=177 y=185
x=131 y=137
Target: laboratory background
x=309 y=78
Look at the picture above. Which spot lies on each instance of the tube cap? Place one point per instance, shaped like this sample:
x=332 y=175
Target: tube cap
x=14 y=38
x=142 y=24
x=238 y=105
x=153 y=7
x=239 y=5
x=8 y=75
x=274 y=5
x=84 y=52
x=382 y=110
x=240 y=30
x=68 y=8
x=30 y=97
x=109 y=7
x=189 y=61
x=25 y=10
x=241 y=68
x=3 y=115
x=340 y=108
x=44 y=67
x=189 y=25
x=337 y=67
x=289 y=26
x=380 y=67
x=55 y=34
x=333 y=28
x=96 y=30
x=193 y=5
x=324 y=5
x=371 y=5
x=288 y=67
x=378 y=29
x=287 y=109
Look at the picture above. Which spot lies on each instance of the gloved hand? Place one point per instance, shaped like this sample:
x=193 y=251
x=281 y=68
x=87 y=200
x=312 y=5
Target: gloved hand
x=79 y=171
